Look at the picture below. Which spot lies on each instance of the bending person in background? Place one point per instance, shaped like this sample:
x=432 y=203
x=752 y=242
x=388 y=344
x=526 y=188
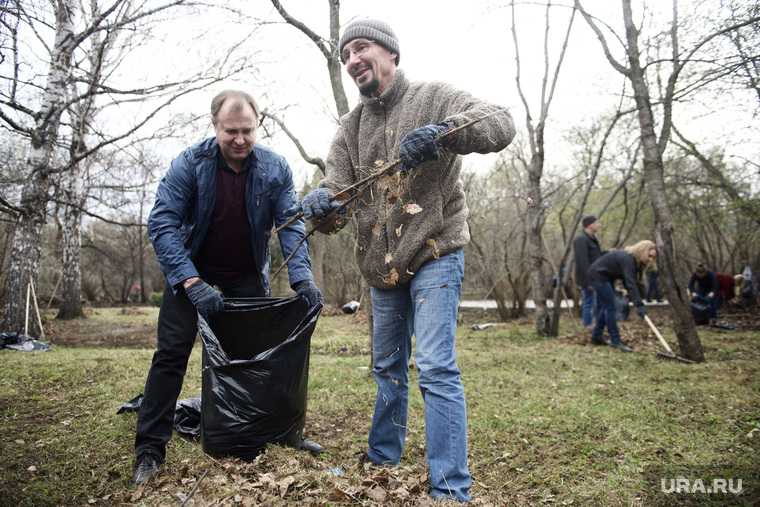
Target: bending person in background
x=703 y=287
x=622 y=265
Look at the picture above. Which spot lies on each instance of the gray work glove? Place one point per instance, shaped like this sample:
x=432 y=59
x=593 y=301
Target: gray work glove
x=420 y=145
x=206 y=299
x=318 y=203
x=307 y=290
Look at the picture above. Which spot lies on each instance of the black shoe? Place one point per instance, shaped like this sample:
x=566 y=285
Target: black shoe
x=599 y=341
x=296 y=441
x=146 y=467
x=311 y=446
x=622 y=347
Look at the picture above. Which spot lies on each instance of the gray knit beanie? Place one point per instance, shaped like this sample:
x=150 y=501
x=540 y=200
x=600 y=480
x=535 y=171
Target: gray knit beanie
x=372 y=29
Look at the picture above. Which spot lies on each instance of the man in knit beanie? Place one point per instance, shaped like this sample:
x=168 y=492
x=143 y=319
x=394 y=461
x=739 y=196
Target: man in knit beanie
x=587 y=250
x=410 y=230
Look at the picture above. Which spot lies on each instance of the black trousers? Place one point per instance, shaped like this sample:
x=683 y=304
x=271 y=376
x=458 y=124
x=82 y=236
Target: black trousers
x=177 y=329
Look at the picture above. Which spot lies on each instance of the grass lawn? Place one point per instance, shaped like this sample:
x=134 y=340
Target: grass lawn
x=550 y=421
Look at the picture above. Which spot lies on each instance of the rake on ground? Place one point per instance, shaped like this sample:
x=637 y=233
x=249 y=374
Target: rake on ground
x=668 y=354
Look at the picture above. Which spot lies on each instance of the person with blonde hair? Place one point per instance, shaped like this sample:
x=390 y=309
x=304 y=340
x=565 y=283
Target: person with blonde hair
x=622 y=265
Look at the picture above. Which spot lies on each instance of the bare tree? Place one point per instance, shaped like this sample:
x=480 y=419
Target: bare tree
x=653 y=147
x=536 y=209
x=72 y=88
x=328 y=46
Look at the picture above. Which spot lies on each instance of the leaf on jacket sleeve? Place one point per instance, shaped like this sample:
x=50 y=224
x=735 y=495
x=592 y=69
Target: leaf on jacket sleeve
x=434 y=247
x=391 y=278
x=412 y=208
x=388 y=258
x=398 y=230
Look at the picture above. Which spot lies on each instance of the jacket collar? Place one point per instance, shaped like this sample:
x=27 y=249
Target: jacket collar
x=391 y=96
x=209 y=148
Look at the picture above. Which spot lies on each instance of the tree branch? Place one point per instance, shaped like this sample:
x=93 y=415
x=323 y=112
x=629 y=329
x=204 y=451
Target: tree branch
x=317 y=161
x=323 y=46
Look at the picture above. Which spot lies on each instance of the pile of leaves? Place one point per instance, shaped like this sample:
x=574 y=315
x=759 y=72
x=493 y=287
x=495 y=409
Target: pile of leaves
x=280 y=476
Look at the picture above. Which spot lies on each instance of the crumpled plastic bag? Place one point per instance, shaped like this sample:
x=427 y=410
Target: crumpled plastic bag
x=22 y=343
x=187 y=414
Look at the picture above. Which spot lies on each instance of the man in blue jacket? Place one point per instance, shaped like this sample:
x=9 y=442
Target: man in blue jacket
x=210 y=226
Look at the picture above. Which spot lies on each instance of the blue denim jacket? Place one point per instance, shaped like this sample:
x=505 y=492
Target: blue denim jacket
x=184 y=204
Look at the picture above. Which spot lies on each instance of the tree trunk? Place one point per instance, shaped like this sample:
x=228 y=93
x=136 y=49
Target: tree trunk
x=685 y=329
x=500 y=295
x=535 y=217
x=141 y=248
x=333 y=62
x=71 y=303
x=26 y=249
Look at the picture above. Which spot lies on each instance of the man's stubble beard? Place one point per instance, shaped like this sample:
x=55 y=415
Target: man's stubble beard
x=369 y=89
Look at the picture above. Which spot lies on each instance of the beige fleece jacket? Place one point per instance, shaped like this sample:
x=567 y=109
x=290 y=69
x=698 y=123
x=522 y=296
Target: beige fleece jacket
x=405 y=220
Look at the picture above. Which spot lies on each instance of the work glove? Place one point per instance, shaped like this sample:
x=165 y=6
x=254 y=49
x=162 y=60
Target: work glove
x=641 y=311
x=206 y=299
x=421 y=145
x=307 y=290
x=318 y=203
x=711 y=295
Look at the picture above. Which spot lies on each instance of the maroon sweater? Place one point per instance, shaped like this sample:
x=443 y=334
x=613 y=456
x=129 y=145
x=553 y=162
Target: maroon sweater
x=226 y=257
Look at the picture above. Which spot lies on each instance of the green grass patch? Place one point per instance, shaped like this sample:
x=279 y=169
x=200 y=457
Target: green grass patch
x=550 y=421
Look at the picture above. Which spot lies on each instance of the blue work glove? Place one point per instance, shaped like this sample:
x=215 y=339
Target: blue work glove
x=420 y=145
x=307 y=290
x=641 y=311
x=206 y=299
x=318 y=203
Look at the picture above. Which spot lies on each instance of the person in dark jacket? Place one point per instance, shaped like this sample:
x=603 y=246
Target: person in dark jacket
x=587 y=250
x=653 y=285
x=703 y=287
x=622 y=265
x=210 y=226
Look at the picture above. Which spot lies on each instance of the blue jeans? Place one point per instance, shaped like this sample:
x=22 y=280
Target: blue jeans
x=606 y=312
x=587 y=306
x=427 y=308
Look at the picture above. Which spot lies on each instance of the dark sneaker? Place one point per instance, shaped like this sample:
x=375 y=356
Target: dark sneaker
x=599 y=341
x=146 y=467
x=296 y=441
x=311 y=446
x=622 y=347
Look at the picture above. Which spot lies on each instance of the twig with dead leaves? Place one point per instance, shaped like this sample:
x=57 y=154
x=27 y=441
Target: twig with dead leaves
x=195 y=488
x=360 y=186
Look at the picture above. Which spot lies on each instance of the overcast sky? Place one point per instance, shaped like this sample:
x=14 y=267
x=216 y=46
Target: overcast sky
x=467 y=44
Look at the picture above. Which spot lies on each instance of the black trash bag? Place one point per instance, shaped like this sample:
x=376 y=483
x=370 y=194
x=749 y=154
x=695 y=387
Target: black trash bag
x=700 y=310
x=255 y=374
x=22 y=343
x=187 y=414
x=187 y=417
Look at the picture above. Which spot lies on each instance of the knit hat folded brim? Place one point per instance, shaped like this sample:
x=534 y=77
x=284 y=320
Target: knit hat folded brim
x=371 y=29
